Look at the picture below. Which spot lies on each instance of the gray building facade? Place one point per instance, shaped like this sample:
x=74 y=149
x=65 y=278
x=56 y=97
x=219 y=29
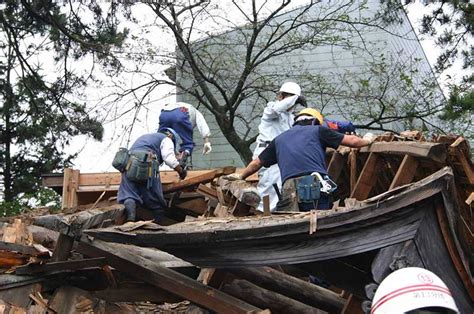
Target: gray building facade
x=339 y=80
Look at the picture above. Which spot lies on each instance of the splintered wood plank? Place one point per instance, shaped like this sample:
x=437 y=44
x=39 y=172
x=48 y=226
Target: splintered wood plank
x=406 y=172
x=242 y=190
x=165 y=278
x=72 y=225
x=367 y=178
x=16 y=233
x=433 y=151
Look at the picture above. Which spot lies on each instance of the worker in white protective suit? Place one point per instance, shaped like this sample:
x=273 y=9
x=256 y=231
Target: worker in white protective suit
x=277 y=118
x=183 y=118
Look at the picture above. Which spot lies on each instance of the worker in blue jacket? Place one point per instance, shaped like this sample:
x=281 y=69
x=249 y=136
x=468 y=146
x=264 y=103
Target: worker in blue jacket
x=140 y=183
x=300 y=155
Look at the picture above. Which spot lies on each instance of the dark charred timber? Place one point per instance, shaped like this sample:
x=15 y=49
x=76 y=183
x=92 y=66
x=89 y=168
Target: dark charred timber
x=165 y=278
x=263 y=298
x=292 y=287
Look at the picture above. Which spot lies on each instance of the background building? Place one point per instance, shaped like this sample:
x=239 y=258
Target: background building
x=336 y=78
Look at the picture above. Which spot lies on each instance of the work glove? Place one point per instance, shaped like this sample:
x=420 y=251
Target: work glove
x=302 y=101
x=233 y=177
x=207 y=148
x=370 y=137
x=183 y=174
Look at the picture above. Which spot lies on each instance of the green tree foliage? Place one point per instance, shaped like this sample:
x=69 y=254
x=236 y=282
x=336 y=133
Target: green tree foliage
x=451 y=25
x=39 y=114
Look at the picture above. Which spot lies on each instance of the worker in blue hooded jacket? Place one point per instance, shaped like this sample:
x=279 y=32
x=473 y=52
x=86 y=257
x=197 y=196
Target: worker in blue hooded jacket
x=140 y=182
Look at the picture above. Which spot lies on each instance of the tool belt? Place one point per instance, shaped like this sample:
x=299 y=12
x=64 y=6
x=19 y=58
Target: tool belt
x=120 y=160
x=142 y=167
x=303 y=190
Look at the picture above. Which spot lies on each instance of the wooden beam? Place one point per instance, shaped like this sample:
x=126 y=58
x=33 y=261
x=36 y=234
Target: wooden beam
x=335 y=165
x=72 y=225
x=453 y=250
x=70 y=187
x=242 y=190
x=353 y=169
x=266 y=205
x=263 y=298
x=367 y=178
x=207 y=191
x=433 y=151
x=60 y=266
x=292 y=287
x=406 y=172
x=63 y=248
x=193 y=181
x=165 y=278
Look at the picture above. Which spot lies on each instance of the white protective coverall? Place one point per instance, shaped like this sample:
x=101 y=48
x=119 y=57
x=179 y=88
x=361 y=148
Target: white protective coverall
x=276 y=119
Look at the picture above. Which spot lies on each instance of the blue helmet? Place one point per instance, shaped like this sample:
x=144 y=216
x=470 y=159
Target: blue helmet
x=175 y=138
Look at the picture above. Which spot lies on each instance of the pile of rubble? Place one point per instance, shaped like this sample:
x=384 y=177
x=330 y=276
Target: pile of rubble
x=216 y=252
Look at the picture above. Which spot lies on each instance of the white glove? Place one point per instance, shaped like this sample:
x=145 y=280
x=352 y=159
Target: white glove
x=207 y=148
x=370 y=137
x=233 y=177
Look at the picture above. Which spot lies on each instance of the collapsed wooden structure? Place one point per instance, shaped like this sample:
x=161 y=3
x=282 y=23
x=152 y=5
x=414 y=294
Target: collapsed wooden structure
x=403 y=201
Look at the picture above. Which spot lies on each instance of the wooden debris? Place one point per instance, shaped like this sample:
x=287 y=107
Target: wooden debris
x=305 y=292
x=167 y=279
x=263 y=298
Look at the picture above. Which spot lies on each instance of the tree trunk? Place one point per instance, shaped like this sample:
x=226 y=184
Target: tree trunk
x=7 y=175
x=240 y=145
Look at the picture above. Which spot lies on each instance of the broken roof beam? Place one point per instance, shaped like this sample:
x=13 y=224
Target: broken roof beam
x=196 y=180
x=165 y=278
x=242 y=190
x=434 y=151
x=72 y=225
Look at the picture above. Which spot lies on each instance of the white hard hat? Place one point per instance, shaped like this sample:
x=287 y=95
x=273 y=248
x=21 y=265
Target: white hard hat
x=412 y=288
x=291 y=88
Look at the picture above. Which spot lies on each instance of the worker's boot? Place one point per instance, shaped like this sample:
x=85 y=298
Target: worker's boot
x=130 y=209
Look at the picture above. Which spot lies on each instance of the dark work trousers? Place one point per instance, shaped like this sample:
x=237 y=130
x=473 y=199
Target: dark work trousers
x=149 y=198
x=178 y=120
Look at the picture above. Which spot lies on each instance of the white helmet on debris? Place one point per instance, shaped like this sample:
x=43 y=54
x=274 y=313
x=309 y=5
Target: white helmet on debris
x=291 y=88
x=412 y=288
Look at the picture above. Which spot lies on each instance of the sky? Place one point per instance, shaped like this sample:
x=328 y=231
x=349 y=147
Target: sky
x=97 y=156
